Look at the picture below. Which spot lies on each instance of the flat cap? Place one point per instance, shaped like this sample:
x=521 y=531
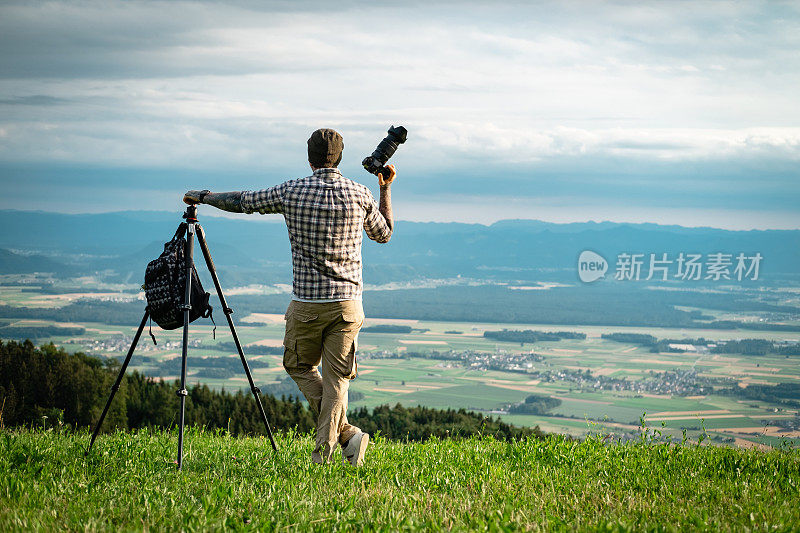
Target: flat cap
x=325 y=148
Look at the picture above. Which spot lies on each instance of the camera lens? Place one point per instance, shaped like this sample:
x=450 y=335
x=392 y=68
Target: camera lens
x=374 y=164
x=398 y=134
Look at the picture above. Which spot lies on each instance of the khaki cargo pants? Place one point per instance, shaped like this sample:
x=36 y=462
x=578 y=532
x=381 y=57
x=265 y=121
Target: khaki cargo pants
x=326 y=333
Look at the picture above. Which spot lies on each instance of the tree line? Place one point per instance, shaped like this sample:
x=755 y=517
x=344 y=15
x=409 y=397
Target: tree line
x=386 y=328
x=250 y=349
x=611 y=306
x=743 y=346
x=782 y=393
x=209 y=367
x=535 y=404
x=529 y=335
x=46 y=385
x=38 y=332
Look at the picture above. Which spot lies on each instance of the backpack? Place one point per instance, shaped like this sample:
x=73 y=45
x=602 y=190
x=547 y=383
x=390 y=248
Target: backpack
x=165 y=286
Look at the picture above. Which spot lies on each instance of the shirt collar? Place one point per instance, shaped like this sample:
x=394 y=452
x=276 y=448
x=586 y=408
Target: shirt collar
x=328 y=173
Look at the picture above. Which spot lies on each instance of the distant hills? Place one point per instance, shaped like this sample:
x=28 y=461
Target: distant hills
x=255 y=249
x=16 y=263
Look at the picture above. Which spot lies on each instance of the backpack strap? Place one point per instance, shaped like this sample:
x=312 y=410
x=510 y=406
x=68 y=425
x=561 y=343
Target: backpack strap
x=151 y=331
x=208 y=311
x=182 y=227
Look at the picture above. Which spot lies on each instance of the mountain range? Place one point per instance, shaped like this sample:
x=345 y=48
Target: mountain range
x=256 y=250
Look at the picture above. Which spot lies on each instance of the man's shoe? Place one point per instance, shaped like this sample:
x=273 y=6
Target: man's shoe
x=355 y=448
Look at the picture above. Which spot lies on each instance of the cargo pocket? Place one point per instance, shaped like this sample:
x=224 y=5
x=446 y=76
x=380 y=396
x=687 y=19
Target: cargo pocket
x=346 y=364
x=296 y=345
x=354 y=320
x=308 y=338
x=289 y=346
x=290 y=359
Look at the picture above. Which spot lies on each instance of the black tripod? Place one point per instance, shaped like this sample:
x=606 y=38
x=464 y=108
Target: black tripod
x=192 y=227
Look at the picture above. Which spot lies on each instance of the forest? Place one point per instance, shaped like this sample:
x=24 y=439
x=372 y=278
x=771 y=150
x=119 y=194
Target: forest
x=45 y=386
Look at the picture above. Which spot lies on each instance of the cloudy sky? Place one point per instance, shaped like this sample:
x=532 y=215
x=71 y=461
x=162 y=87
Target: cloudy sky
x=668 y=112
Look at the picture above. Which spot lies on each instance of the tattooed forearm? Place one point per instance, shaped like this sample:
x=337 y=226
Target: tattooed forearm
x=385 y=206
x=227 y=201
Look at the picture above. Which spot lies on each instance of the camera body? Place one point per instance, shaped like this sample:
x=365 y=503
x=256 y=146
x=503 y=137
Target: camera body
x=376 y=163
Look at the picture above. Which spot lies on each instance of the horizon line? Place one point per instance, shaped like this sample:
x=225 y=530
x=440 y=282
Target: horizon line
x=243 y=216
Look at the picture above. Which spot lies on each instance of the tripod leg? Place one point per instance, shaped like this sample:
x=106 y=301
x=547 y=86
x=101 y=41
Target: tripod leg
x=115 y=386
x=182 y=393
x=201 y=239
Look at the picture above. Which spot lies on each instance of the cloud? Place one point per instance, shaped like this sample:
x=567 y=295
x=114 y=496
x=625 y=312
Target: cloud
x=660 y=94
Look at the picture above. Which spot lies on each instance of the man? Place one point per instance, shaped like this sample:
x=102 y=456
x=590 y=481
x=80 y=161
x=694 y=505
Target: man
x=324 y=214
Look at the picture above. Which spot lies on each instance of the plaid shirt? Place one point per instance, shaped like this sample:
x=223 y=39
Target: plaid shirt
x=324 y=214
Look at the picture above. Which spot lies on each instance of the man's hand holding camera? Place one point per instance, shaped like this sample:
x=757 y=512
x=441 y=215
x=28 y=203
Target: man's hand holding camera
x=385 y=182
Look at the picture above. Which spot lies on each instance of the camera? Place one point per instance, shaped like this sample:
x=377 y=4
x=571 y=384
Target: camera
x=374 y=164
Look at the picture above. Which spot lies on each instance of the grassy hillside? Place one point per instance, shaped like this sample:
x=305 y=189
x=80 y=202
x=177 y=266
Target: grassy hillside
x=130 y=482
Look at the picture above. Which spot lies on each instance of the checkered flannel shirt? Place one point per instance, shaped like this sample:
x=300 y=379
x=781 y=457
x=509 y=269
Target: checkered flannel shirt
x=324 y=214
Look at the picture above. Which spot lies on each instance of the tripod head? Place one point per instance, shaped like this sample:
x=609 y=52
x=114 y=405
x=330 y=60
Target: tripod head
x=190 y=215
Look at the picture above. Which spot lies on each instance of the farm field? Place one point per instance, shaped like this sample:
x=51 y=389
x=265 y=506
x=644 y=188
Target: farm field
x=407 y=368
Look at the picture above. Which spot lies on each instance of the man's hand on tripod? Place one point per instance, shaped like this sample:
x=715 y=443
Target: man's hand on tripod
x=194 y=197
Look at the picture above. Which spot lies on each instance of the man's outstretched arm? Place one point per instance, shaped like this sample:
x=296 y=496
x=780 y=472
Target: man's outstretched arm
x=227 y=201
x=265 y=201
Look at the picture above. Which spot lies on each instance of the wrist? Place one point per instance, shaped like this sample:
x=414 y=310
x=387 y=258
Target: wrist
x=203 y=194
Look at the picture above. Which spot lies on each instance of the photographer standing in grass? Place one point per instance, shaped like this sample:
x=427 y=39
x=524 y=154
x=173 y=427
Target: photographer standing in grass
x=324 y=214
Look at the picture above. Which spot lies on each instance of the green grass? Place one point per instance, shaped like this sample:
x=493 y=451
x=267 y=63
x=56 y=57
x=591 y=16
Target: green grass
x=130 y=483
